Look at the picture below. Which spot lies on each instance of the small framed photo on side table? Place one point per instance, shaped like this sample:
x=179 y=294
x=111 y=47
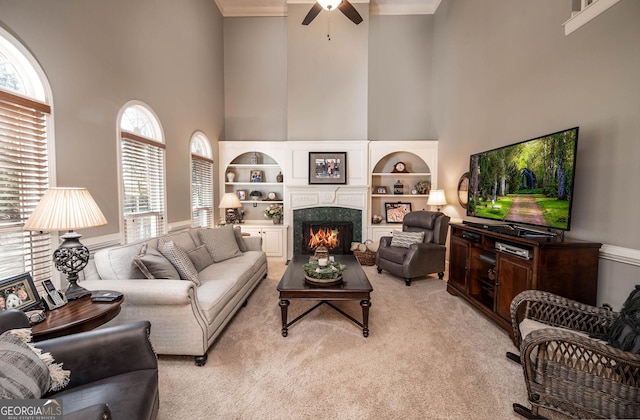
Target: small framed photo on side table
x=18 y=292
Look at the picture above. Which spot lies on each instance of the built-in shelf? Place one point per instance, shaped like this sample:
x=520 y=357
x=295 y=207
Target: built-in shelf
x=400 y=195
x=588 y=11
x=401 y=174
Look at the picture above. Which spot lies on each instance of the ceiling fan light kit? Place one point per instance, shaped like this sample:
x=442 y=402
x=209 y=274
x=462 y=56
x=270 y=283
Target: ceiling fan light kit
x=344 y=6
x=329 y=4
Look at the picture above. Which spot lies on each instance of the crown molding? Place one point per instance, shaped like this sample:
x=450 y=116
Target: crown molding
x=231 y=8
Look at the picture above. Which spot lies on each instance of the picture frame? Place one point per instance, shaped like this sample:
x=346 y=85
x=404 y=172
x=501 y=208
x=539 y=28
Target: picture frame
x=19 y=292
x=256 y=176
x=380 y=189
x=242 y=195
x=327 y=168
x=395 y=212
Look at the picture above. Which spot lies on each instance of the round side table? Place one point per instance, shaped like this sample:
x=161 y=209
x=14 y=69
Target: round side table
x=76 y=316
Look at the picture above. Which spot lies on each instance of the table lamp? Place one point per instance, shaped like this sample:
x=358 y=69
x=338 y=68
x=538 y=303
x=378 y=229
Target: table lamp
x=68 y=209
x=436 y=198
x=230 y=202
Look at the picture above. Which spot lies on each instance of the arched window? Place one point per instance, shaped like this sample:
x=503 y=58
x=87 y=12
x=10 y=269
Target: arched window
x=142 y=173
x=201 y=181
x=25 y=161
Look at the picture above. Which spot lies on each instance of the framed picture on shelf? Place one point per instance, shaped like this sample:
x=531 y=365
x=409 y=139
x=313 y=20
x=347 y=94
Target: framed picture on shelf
x=327 y=168
x=380 y=189
x=242 y=195
x=257 y=176
x=394 y=212
x=18 y=292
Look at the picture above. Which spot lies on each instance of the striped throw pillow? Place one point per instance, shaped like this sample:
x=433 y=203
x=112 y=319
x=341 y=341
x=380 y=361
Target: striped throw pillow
x=405 y=239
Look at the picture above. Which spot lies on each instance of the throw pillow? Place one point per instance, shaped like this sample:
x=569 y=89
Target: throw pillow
x=154 y=265
x=200 y=258
x=406 y=239
x=25 y=372
x=624 y=332
x=237 y=231
x=220 y=242
x=179 y=259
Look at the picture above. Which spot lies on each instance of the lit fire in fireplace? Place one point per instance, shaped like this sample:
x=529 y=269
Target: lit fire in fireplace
x=324 y=236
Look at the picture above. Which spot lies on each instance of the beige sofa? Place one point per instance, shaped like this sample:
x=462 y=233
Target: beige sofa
x=188 y=284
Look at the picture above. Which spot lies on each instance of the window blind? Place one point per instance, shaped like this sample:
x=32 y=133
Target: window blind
x=201 y=191
x=143 y=163
x=24 y=178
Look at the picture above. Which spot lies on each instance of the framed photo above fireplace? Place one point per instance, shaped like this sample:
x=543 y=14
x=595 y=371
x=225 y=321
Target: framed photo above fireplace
x=394 y=212
x=327 y=168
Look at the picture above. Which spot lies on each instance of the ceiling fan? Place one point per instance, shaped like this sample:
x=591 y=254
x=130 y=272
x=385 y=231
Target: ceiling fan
x=343 y=5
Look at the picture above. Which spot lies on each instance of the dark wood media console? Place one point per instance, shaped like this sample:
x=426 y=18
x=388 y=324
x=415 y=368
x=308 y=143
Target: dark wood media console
x=489 y=278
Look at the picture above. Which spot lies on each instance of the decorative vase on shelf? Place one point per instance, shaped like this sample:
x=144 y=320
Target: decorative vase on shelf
x=279 y=177
x=231 y=176
x=277 y=220
x=254 y=158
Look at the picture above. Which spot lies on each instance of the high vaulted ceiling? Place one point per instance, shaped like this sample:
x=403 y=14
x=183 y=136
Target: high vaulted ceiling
x=230 y=8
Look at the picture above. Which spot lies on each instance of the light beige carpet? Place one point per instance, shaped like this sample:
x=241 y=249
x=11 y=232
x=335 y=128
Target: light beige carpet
x=429 y=355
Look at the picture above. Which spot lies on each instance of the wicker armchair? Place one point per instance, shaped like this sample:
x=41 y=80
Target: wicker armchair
x=565 y=370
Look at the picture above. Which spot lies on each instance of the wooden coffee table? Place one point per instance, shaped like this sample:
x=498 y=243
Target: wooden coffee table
x=76 y=316
x=354 y=286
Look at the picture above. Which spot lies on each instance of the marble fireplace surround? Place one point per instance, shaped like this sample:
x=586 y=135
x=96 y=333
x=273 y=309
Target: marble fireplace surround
x=320 y=203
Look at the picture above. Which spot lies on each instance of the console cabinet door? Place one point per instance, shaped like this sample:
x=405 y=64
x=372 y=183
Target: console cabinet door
x=514 y=276
x=459 y=262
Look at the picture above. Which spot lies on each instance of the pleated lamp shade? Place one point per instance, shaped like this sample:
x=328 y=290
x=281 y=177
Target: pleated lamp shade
x=230 y=201
x=65 y=209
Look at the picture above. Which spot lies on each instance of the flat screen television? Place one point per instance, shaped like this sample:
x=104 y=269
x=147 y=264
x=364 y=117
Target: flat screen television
x=529 y=183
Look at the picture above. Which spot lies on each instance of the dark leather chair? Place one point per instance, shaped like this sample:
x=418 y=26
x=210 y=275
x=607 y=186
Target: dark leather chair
x=419 y=259
x=114 y=370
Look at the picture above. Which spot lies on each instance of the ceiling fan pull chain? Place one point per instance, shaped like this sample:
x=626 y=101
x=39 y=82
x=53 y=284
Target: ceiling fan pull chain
x=329 y=25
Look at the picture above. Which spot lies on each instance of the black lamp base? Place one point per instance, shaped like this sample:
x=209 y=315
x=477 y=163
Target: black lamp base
x=76 y=292
x=70 y=258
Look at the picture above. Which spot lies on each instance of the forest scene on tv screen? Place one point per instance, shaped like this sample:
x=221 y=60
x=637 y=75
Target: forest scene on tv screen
x=529 y=182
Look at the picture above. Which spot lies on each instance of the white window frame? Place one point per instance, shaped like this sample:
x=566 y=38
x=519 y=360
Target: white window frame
x=37 y=247
x=202 y=156
x=155 y=221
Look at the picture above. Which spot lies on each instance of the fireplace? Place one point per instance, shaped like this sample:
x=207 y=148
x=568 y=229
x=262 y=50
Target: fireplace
x=325 y=215
x=336 y=236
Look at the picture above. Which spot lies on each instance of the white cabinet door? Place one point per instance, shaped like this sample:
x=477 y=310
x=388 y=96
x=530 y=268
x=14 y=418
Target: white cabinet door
x=272 y=238
x=377 y=232
x=272 y=241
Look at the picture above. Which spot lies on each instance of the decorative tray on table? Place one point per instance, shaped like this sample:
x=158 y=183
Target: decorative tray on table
x=330 y=274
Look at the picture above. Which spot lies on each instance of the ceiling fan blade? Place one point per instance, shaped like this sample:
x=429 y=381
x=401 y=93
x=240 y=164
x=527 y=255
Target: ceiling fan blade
x=315 y=9
x=349 y=11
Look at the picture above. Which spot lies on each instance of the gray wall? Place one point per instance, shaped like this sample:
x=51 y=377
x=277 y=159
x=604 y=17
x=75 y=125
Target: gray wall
x=504 y=71
x=400 y=66
x=255 y=78
x=100 y=54
x=327 y=80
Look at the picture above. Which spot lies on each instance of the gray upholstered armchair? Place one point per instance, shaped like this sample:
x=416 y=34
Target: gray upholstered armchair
x=417 y=259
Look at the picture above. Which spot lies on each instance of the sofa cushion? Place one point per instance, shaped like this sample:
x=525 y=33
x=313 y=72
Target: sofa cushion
x=200 y=258
x=25 y=372
x=237 y=231
x=179 y=259
x=183 y=239
x=115 y=263
x=220 y=242
x=406 y=239
x=154 y=265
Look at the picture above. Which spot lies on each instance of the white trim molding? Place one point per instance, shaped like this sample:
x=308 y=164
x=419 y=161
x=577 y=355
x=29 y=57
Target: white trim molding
x=620 y=254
